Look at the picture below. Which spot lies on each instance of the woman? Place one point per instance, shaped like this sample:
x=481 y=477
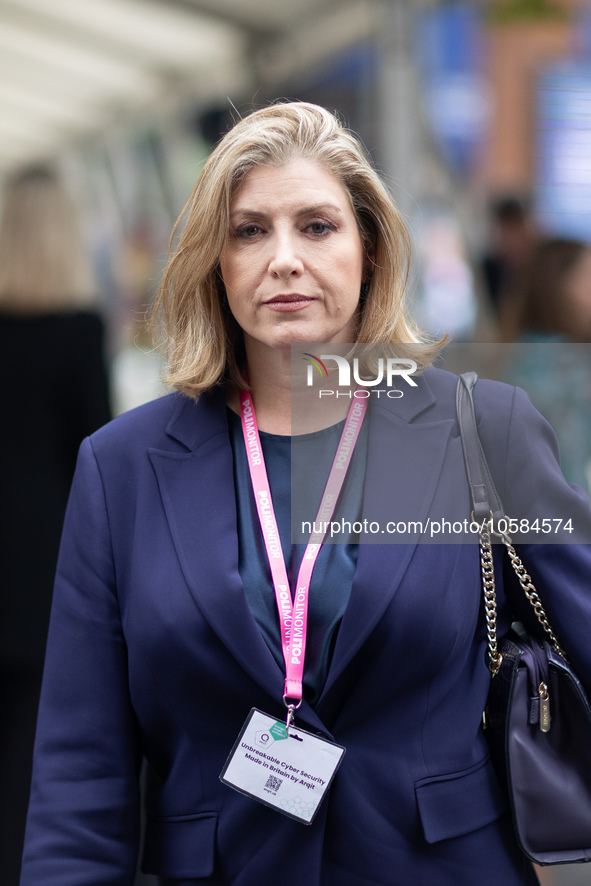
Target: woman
x=552 y=296
x=54 y=394
x=164 y=630
x=549 y=315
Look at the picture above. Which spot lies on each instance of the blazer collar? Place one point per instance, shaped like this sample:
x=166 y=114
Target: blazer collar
x=413 y=402
x=193 y=423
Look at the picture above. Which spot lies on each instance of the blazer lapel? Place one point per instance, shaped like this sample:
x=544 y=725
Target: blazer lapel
x=197 y=489
x=404 y=463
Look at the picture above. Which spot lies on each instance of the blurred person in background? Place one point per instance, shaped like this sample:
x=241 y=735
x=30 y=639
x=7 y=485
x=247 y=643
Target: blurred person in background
x=549 y=313
x=54 y=393
x=512 y=240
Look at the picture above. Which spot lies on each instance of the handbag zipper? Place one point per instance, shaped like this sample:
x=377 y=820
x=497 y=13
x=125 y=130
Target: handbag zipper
x=543 y=697
x=545 y=719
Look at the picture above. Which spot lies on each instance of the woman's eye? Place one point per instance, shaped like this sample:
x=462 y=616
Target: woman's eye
x=247 y=232
x=320 y=227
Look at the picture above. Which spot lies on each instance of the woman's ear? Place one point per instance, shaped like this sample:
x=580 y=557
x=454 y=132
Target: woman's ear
x=368 y=266
x=369 y=262
x=221 y=290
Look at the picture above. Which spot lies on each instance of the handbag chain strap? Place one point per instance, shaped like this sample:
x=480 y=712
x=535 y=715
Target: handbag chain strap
x=490 y=601
x=483 y=493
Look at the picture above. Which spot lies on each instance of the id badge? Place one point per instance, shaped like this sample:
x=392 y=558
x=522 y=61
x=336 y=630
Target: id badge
x=288 y=772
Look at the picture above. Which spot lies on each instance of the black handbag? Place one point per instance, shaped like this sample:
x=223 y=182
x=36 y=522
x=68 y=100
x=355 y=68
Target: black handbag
x=537 y=718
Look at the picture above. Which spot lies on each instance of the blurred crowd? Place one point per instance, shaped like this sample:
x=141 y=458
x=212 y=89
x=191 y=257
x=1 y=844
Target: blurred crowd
x=539 y=288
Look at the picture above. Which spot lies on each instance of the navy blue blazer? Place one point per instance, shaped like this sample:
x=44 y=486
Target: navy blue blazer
x=153 y=652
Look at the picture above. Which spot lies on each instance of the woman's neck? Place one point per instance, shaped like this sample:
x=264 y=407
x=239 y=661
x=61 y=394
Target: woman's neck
x=283 y=404
x=270 y=387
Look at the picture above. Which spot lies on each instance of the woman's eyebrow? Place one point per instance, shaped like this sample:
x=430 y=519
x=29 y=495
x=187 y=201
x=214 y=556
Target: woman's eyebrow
x=320 y=207
x=251 y=213
x=305 y=210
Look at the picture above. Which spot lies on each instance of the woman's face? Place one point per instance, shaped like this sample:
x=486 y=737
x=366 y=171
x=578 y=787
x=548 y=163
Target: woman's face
x=293 y=261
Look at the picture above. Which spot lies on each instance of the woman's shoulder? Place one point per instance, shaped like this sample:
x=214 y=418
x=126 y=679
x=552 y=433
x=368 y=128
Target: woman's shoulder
x=490 y=397
x=173 y=422
x=144 y=425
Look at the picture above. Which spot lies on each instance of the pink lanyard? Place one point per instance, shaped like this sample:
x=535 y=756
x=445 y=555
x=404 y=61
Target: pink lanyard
x=293 y=618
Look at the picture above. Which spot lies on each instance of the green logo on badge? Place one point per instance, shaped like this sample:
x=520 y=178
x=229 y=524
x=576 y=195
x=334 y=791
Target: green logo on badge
x=278 y=731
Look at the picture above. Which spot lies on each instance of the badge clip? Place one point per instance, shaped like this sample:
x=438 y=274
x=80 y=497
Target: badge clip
x=291 y=709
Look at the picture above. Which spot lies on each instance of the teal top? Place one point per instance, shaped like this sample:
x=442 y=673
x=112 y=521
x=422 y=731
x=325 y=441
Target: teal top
x=556 y=373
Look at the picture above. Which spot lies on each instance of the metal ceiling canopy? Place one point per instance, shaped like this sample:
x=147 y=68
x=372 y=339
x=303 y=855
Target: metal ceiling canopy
x=70 y=69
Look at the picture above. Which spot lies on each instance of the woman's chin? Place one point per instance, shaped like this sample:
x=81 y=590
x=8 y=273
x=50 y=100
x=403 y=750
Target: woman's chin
x=285 y=335
x=283 y=340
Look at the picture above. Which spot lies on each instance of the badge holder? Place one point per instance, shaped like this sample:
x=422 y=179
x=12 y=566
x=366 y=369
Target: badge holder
x=281 y=766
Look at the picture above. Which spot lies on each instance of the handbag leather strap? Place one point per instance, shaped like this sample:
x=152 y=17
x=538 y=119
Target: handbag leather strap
x=486 y=503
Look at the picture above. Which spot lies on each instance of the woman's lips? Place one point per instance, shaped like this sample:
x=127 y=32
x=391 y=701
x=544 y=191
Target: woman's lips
x=293 y=302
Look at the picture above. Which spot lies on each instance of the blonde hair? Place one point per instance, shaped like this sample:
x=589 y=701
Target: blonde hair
x=201 y=340
x=43 y=263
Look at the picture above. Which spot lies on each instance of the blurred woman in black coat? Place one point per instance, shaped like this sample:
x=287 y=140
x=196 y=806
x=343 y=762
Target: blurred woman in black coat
x=54 y=392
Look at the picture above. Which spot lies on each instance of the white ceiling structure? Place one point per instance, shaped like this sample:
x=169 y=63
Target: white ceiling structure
x=70 y=70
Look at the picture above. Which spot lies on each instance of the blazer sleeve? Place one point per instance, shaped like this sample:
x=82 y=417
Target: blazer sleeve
x=561 y=572
x=83 y=822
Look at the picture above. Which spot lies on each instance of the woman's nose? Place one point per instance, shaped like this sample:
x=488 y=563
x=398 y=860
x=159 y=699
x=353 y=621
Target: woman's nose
x=285 y=259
